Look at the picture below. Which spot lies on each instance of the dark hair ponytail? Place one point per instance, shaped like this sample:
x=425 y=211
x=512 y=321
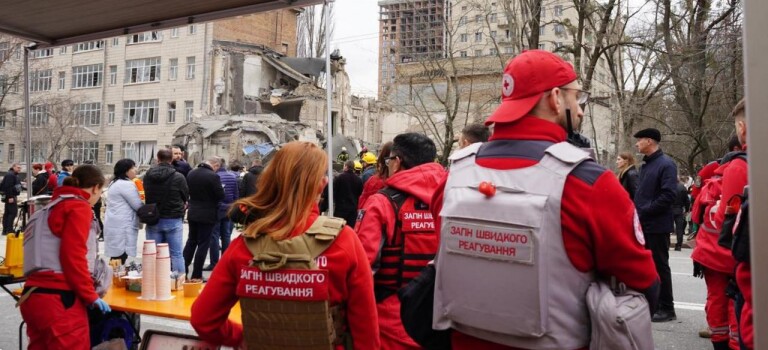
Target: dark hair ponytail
x=85 y=176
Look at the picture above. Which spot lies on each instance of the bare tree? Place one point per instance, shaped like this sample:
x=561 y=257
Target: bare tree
x=11 y=72
x=311 y=30
x=56 y=124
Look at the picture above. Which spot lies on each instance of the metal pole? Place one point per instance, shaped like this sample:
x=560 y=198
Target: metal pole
x=28 y=127
x=329 y=102
x=756 y=84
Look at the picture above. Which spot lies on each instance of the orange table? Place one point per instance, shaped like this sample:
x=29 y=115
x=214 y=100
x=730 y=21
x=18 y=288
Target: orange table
x=179 y=308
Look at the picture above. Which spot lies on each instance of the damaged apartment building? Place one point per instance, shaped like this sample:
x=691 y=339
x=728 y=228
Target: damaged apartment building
x=252 y=86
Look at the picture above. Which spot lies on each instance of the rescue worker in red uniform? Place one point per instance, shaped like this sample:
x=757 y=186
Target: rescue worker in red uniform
x=600 y=229
x=56 y=295
x=397 y=229
x=734 y=180
x=712 y=260
x=286 y=209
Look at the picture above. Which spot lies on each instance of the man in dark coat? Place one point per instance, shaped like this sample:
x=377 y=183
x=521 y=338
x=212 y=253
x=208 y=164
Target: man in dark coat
x=681 y=206
x=251 y=179
x=656 y=192
x=167 y=188
x=203 y=213
x=347 y=188
x=222 y=230
x=179 y=163
x=10 y=187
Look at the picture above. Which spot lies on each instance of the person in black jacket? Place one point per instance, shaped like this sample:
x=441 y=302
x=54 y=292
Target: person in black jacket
x=681 y=206
x=40 y=183
x=627 y=173
x=167 y=188
x=179 y=163
x=203 y=213
x=10 y=187
x=251 y=179
x=656 y=192
x=347 y=188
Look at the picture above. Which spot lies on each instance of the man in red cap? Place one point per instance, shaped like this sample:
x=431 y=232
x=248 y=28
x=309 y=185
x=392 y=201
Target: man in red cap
x=527 y=221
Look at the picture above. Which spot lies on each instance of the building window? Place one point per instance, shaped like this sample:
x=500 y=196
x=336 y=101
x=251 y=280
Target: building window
x=493 y=34
x=5 y=51
x=63 y=50
x=109 y=154
x=88 y=46
x=188 y=109
x=493 y=18
x=146 y=37
x=494 y=52
x=38 y=116
x=559 y=29
x=38 y=152
x=2 y=121
x=192 y=29
x=478 y=18
x=541 y=47
x=7 y=85
x=558 y=10
x=173 y=68
x=478 y=37
x=85 y=150
x=1 y=151
x=463 y=38
x=285 y=48
x=142 y=152
x=191 y=67
x=87 y=76
x=111 y=114
x=478 y=53
x=171 y=112
x=542 y=30
x=558 y=44
x=115 y=41
x=11 y=153
x=140 y=112
x=89 y=113
x=40 y=80
x=142 y=70
x=463 y=54
x=112 y=75
x=464 y=8
x=543 y=12
x=463 y=20
x=174 y=32
x=42 y=53
x=62 y=80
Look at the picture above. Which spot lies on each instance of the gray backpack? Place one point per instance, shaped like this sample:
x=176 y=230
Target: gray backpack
x=620 y=318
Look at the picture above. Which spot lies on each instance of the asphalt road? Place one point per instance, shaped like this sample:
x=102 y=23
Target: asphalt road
x=682 y=334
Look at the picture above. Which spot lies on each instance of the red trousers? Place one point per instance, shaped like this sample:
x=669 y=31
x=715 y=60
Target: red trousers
x=721 y=317
x=50 y=326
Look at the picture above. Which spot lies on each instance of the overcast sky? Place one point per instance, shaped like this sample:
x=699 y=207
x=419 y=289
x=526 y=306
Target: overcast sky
x=356 y=35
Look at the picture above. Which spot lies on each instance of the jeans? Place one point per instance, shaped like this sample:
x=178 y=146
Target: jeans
x=221 y=232
x=658 y=244
x=11 y=210
x=170 y=231
x=198 y=244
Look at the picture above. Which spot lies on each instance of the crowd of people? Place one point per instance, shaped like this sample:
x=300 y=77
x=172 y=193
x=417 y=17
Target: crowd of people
x=503 y=245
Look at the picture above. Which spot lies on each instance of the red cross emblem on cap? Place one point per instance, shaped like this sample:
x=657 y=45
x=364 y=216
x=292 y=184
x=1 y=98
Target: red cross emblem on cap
x=507 y=85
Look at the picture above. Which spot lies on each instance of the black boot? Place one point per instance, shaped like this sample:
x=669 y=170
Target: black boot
x=721 y=345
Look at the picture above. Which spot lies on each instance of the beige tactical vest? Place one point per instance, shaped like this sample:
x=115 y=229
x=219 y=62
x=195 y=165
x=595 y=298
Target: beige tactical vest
x=283 y=319
x=503 y=274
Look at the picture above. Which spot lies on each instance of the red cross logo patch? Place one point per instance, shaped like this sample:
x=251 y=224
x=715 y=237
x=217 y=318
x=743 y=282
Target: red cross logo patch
x=507 y=85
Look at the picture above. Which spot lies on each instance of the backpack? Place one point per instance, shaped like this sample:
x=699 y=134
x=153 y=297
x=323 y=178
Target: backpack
x=726 y=231
x=740 y=245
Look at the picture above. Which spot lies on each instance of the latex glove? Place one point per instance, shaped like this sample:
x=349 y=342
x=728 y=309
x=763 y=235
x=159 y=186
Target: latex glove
x=101 y=305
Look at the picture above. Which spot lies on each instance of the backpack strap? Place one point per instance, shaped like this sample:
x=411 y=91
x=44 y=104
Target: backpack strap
x=396 y=199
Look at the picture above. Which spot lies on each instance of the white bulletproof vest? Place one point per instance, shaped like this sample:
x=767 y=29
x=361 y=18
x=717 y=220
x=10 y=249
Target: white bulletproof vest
x=503 y=274
x=41 y=246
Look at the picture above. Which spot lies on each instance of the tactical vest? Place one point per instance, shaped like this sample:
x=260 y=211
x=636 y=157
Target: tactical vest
x=412 y=244
x=285 y=297
x=41 y=246
x=503 y=274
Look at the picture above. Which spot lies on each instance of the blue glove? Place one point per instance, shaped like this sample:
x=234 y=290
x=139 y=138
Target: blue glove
x=101 y=305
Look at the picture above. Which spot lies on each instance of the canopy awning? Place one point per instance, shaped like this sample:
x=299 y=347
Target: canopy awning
x=62 y=22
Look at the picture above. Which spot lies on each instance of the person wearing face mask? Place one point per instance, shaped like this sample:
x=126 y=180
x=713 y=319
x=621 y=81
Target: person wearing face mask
x=396 y=228
x=286 y=241
x=527 y=220
x=59 y=285
x=121 y=224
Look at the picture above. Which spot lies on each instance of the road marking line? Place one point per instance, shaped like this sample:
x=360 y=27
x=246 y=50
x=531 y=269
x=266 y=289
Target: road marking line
x=689 y=306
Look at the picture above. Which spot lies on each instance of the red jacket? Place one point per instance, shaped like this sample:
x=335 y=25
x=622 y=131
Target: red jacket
x=598 y=220
x=707 y=251
x=370 y=187
x=421 y=182
x=734 y=179
x=52 y=180
x=71 y=221
x=351 y=283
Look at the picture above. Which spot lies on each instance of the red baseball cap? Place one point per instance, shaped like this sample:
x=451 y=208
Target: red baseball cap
x=526 y=77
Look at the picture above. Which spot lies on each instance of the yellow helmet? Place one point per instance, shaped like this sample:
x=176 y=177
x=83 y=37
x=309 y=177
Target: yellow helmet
x=369 y=158
x=358 y=165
